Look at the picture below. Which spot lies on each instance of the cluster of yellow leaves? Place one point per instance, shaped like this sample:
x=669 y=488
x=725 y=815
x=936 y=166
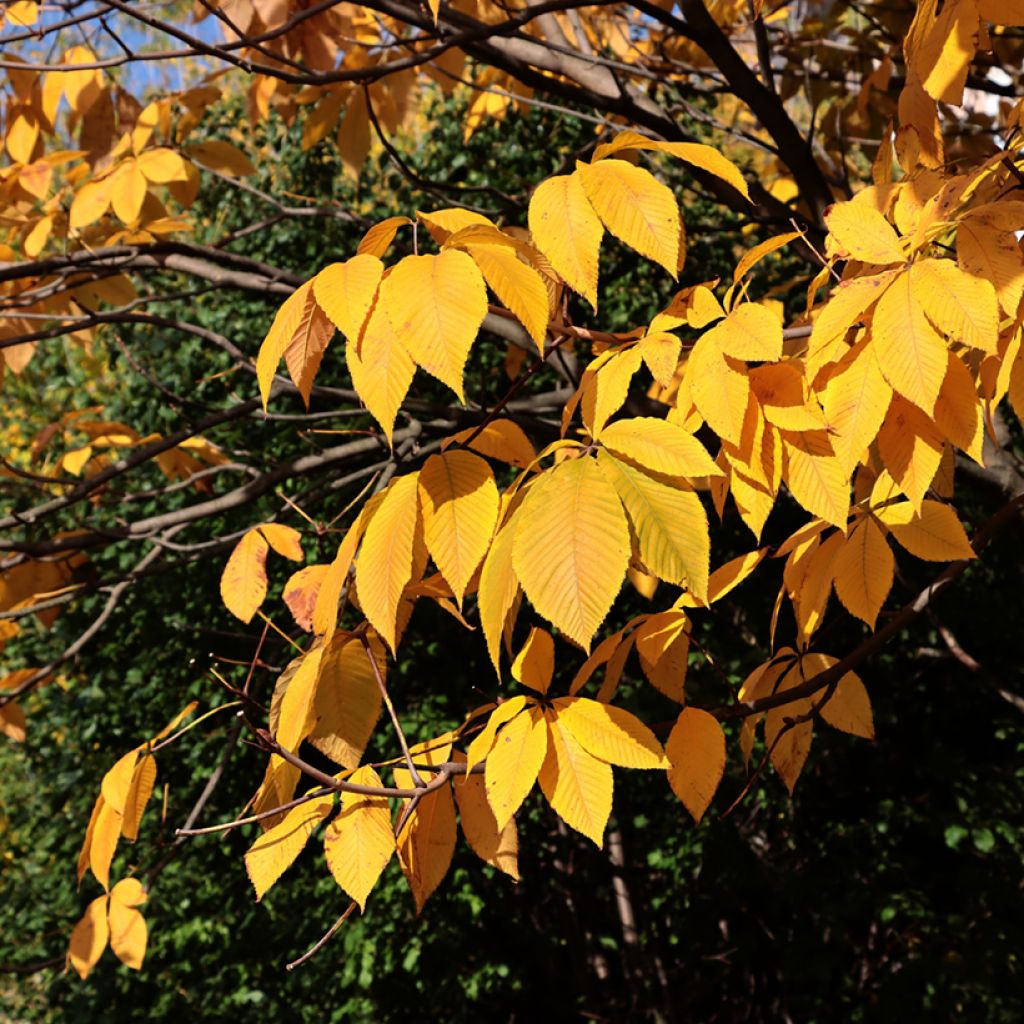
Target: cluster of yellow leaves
x=117 y=812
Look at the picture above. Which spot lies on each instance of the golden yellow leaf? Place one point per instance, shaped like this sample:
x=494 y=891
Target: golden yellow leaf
x=720 y=389
x=863 y=572
x=789 y=744
x=436 y=305
x=696 y=752
x=106 y=830
x=695 y=153
x=359 y=842
x=325 y=612
x=660 y=351
x=498 y=847
x=609 y=733
x=992 y=255
x=957 y=414
x=815 y=477
x=849 y=707
x=910 y=446
x=243 y=584
x=535 y=663
x=301 y=592
x=663 y=646
x=427 y=843
x=860 y=232
x=386 y=559
x=222 y=157
x=568 y=232
x=751 y=332
x=635 y=207
x=300 y=328
x=855 y=401
x=1002 y=12
x=128 y=191
x=513 y=763
x=606 y=387
x=345 y=292
x=577 y=785
x=459 y=501
x=960 y=305
x=503 y=440
x=117 y=781
x=378 y=239
x=139 y=791
x=945 y=53
x=660 y=446
x=483 y=742
x=89 y=937
x=128 y=934
x=90 y=203
x=935 y=535
x=911 y=354
x=274 y=852
x=670 y=524
x=497 y=590
x=297 y=705
x=348 y=699
x=518 y=285
x=354 y=134
x=571 y=547
x=285 y=540
x=162 y=165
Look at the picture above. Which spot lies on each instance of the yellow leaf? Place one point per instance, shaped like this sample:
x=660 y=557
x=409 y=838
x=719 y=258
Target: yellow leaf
x=568 y=232
x=696 y=752
x=503 y=440
x=301 y=592
x=751 y=332
x=635 y=207
x=577 y=785
x=275 y=851
x=105 y=832
x=128 y=191
x=222 y=157
x=427 y=843
x=519 y=286
x=139 y=791
x=359 y=842
x=12 y=723
x=162 y=165
x=297 y=707
x=300 y=332
x=935 y=535
x=89 y=937
x=513 y=763
x=911 y=354
x=910 y=446
x=535 y=663
x=386 y=559
x=436 y=305
x=816 y=478
x=117 y=781
x=571 y=547
x=956 y=411
x=381 y=369
x=659 y=446
x=670 y=524
x=345 y=292
x=960 y=305
x=663 y=646
x=609 y=733
x=720 y=389
x=459 y=501
x=863 y=572
x=378 y=239
x=243 y=584
x=660 y=351
x=128 y=934
x=788 y=744
x=944 y=56
x=483 y=742
x=754 y=255
x=90 y=203
x=845 y=306
x=855 y=401
x=694 y=153
x=348 y=699
x=990 y=255
x=325 y=612
x=849 y=707
x=442 y=224
x=860 y=232
x=354 y=134
x=606 y=387
x=496 y=592
x=498 y=847
x=285 y=540
x=1002 y=12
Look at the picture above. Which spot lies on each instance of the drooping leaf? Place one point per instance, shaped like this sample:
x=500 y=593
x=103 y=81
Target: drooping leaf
x=513 y=763
x=696 y=752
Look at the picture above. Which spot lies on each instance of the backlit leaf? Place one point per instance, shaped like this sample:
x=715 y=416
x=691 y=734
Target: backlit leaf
x=696 y=752
x=610 y=733
x=513 y=763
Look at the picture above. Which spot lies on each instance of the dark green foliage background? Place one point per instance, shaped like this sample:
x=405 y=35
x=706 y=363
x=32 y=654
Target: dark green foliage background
x=889 y=888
